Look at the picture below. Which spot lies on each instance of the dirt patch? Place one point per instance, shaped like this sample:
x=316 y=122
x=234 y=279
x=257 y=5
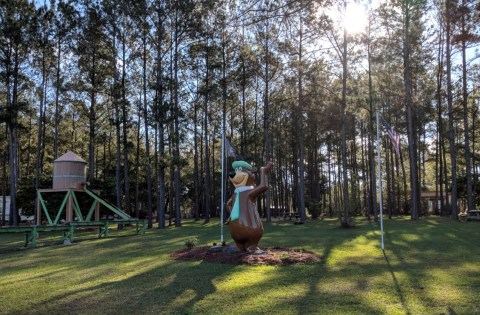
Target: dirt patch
x=270 y=256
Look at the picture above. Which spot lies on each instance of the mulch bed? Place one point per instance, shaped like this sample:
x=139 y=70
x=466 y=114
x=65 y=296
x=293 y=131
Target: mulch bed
x=271 y=256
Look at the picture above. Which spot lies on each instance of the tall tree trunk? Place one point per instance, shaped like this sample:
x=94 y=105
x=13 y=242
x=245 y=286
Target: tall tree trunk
x=330 y=180
x=57 y=101
x=445 y=178
x=116 y=105
x=474 y=168
x=364 y=167
x=145 y=119
x=412 y=140
x=345 y=179
x=372 y=194
x=92 y=120
x=438 y=156
x=387 y=173
x=118 y=159
x=398 y=188
x=12 y=97
x=224 y=166
x=137 y=162
x=451 y=132
x=196 y=206
x=29 y=146
x=161 y=113
x=13 y=141
x=299 y=126
x=196 y=171
x=161 y=174
x=41 y=120
x=126 y=163
x=206 y=140
x=171 y=193
x=176 y=143
x=266 y=112
x=243 y=139
x=468 y=168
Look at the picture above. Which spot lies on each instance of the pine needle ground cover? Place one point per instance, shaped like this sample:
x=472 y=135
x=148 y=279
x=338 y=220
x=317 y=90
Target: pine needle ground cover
x=431 y=266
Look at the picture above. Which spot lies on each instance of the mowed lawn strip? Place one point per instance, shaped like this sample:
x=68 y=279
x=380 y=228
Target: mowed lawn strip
x=431 y=266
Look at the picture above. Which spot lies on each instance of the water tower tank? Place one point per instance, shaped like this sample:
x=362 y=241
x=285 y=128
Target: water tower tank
x=69 y=172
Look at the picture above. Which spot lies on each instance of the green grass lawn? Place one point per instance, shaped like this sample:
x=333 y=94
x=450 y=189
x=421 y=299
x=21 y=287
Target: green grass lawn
x=431 y=266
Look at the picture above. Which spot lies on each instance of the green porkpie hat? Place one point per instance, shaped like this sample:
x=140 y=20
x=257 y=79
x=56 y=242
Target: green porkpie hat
x=243 y=164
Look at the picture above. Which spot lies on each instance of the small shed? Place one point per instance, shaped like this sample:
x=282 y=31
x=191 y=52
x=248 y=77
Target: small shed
x=432 y=202
x=69 y=172
x=7 y=207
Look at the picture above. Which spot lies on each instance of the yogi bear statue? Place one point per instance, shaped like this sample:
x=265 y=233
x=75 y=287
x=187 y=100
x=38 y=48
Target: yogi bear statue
x=244 y=223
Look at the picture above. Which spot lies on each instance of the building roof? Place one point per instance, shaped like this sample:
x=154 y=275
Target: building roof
x=432 y=194
x=70 y=157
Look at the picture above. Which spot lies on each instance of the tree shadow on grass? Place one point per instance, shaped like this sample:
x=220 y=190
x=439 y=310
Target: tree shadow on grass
x=423 y=251
x=398 y=288
x=200 y=287
x=173 y=287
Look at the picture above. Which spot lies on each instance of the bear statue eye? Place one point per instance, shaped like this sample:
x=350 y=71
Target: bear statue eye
x=240 y=168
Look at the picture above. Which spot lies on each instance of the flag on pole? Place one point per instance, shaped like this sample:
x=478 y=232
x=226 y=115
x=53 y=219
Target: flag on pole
x=229 y=150
x=394 y=137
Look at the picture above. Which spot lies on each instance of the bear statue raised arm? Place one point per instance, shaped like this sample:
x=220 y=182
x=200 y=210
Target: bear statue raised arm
x=244 y=222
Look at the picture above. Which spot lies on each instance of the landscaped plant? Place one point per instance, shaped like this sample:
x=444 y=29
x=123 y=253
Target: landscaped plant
x=191 y=242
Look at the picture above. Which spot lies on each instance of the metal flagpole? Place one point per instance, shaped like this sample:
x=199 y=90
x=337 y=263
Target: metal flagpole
x=380 y=182
x=222 y=201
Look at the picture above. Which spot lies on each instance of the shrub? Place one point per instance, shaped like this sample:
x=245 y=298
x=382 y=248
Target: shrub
x=191 y=242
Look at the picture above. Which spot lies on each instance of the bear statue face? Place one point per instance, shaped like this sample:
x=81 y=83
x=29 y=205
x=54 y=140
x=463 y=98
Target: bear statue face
x=243 y=174
x=242 y=178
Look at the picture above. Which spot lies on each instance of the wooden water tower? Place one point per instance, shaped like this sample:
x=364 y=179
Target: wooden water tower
x=69 y=172
x=69 y=178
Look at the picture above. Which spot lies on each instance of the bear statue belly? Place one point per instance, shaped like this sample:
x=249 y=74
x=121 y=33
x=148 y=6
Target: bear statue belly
x=248 y=229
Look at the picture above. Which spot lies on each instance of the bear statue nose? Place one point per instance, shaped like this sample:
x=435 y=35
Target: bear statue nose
x=231 y=174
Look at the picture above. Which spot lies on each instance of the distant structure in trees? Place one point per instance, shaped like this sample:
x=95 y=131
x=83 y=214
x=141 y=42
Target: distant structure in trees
x=69 y=180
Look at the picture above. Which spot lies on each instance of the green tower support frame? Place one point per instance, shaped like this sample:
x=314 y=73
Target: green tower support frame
x=71 y=206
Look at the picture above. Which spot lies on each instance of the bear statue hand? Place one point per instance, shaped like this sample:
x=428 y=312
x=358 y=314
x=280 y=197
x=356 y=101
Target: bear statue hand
x=267 y=168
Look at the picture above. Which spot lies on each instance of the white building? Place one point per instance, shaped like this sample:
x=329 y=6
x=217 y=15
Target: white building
x=7 y=207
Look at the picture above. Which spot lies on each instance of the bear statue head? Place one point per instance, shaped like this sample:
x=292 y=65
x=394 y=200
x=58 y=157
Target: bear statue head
x=243 y=174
